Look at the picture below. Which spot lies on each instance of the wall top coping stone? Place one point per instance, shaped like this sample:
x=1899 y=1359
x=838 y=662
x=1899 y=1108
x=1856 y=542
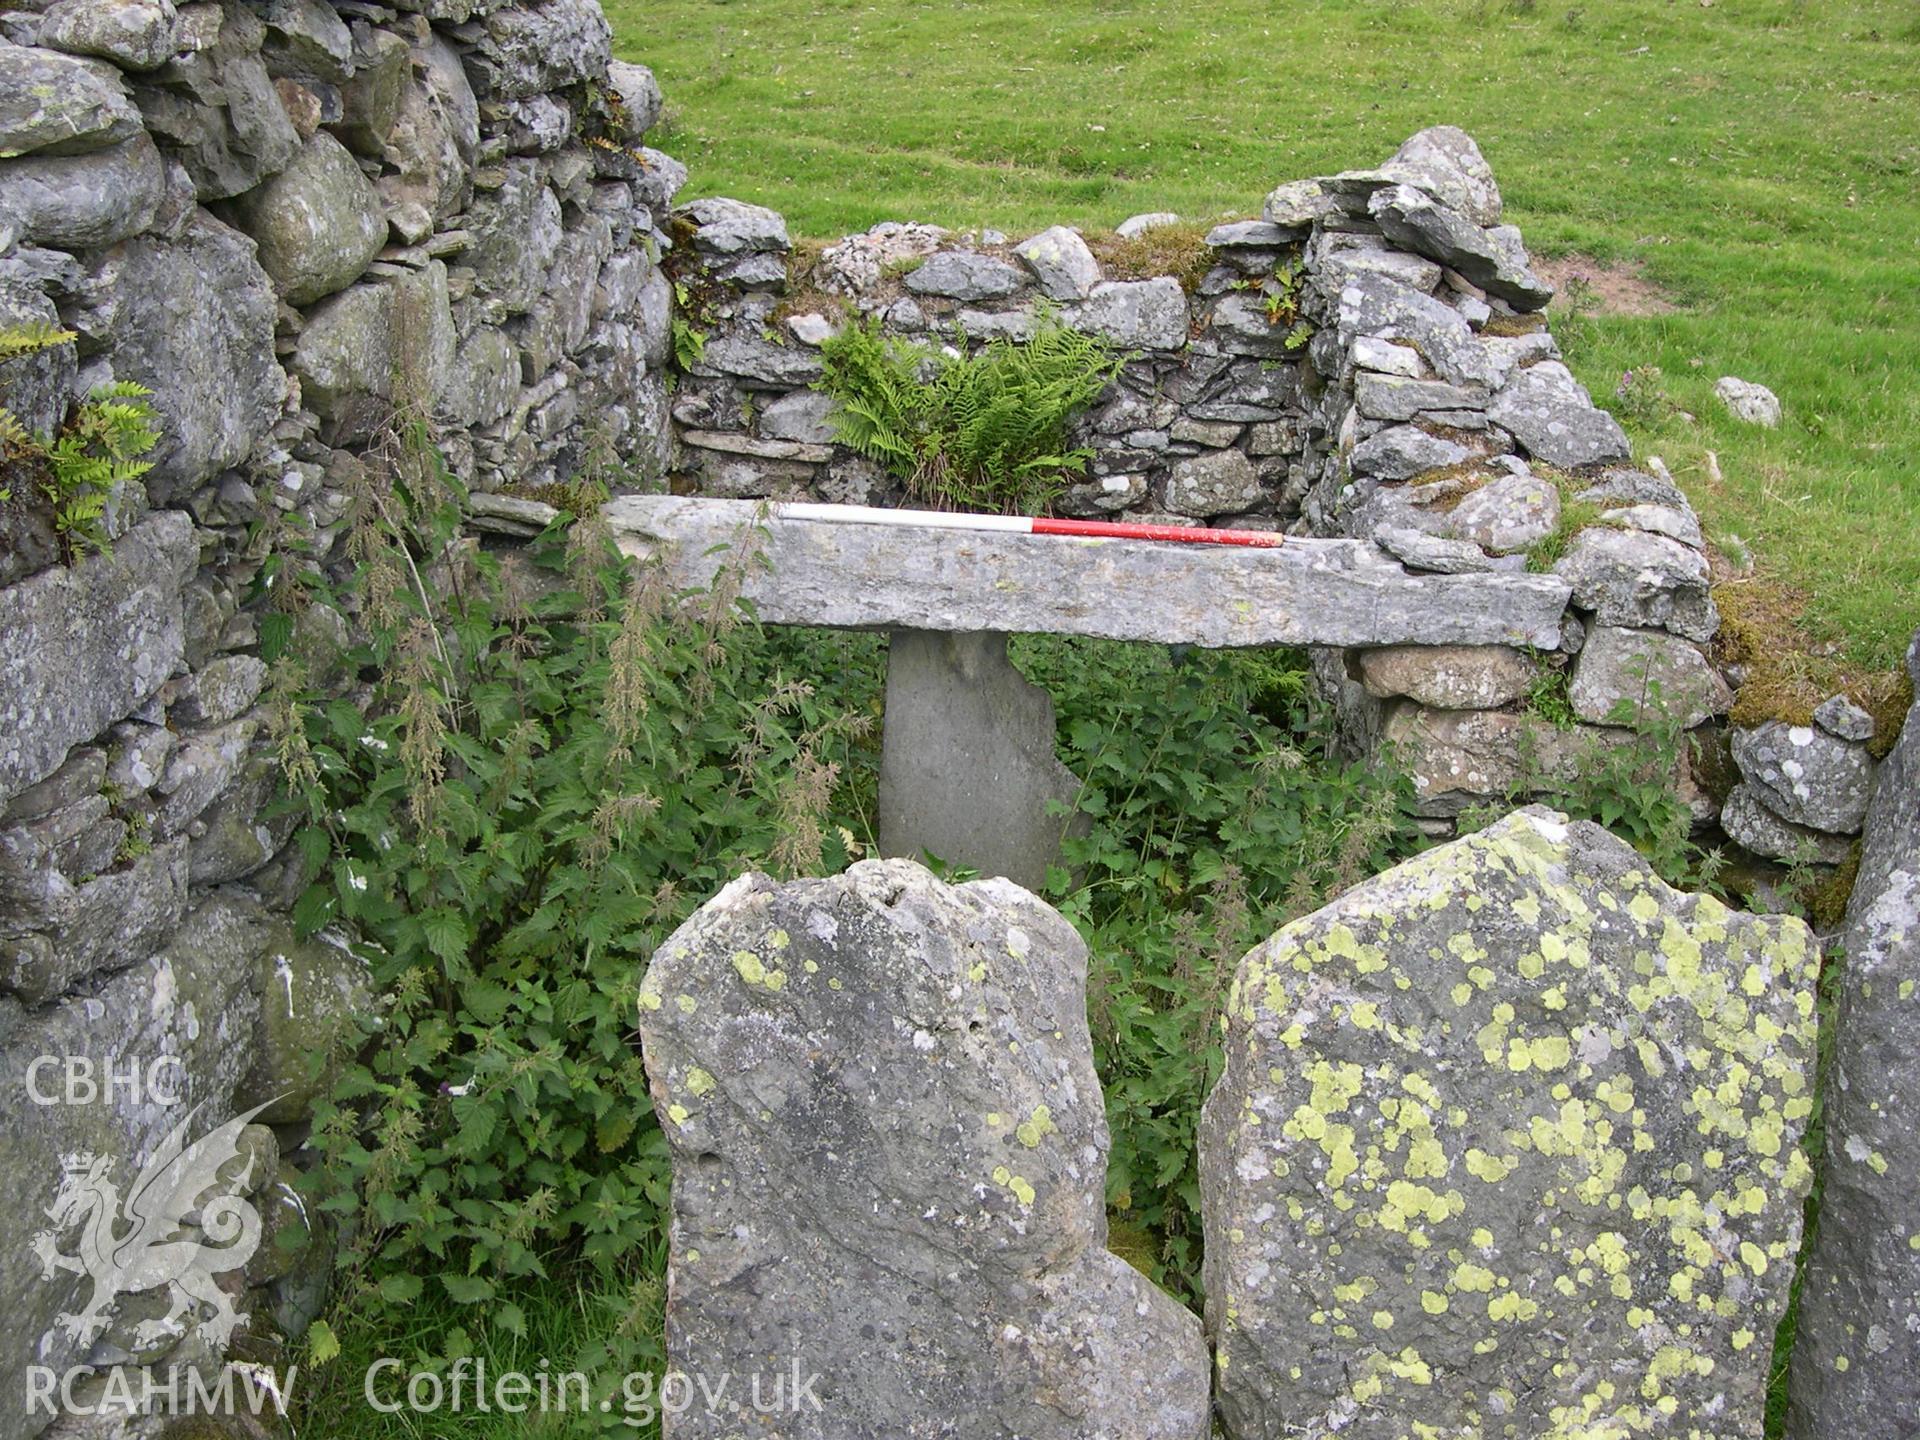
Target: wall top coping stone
x=1303 y=592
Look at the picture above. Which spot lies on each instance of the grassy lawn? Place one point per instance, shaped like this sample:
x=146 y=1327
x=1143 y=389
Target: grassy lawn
x=1754 y=159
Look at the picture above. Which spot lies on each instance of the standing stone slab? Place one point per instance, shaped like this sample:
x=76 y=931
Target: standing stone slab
x=889 y=1155
x=1856 y=1358
x=1507 y=1143
x=966 y=761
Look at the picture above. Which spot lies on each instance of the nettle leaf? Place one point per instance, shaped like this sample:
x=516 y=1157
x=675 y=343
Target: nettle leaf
x=468 y=1289
x=447 y=934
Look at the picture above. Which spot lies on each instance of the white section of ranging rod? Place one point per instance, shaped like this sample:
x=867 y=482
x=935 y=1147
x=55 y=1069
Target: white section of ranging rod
x=909 y=519
x=897 y=576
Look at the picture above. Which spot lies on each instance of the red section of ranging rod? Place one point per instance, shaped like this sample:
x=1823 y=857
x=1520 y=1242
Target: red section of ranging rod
x=1187 y=534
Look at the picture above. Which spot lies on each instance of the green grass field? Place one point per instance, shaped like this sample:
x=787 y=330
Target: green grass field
x=1754 y=159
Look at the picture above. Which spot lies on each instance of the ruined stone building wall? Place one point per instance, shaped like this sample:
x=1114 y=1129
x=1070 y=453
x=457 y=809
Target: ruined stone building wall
x=290 y=221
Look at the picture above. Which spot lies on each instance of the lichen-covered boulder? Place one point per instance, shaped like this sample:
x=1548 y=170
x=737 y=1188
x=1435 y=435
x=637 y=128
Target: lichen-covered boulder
x=889 y=1155
x=318 y=222
x=1856 y=1356
x=1507 y=1143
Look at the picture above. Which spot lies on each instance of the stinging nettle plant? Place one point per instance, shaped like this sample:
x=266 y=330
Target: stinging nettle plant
x=541 y=763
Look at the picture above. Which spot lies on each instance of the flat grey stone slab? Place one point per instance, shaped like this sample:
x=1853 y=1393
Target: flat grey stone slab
x=868 y=576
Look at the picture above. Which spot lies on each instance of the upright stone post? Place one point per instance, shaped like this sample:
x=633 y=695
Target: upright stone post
x=967 y=768
x=1856 y=1355
x=1507 y=1145
x=890 y=1155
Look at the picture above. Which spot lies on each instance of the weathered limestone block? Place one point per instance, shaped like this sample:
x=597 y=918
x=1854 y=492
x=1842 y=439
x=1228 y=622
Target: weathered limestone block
x=1150 y=314
x=1401 y=452
x=965 y=275
x=532 y=49
x=358 y=345
x=194 y=323
x=318 y=223
x=307 y=40
x=84 y=647
x=1647 y=670
x=1550 y=414
x=641 y=102
x=83 y=202
x=102 y=924
x=215 y=106
x=1507 y=514
x=53 y=104
x=1444 y=161
x=1303 y=592
x=36 y=387
x=1508 y=1143
x=1806 y=775
x=134 y=34
x=1491 y=258
x=1374 y=307
x=1751 y=823
x=1856 y=1357
x=370 y=100
x=1448 y=677
x=1630 y=578
x=1214 y=482
x=313 y=996
x=434 y=137
x=889 y=1153
x=730 y=228
x=1062 y=265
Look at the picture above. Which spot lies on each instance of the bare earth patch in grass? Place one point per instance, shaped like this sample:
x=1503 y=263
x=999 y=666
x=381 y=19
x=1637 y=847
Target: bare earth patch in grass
x=1615 y=288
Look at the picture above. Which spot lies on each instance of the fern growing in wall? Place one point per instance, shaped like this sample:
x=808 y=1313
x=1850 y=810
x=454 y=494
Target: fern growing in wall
x=981 y=432
x=77 y=470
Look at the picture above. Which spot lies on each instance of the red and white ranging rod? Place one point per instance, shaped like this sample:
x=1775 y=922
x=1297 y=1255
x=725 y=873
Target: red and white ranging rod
x=1024 y=525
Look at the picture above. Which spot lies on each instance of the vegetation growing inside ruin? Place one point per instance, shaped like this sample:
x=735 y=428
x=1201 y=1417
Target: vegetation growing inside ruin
x=979 y=431
x=1756 y=162
x=75 y=471
x=1179 y=250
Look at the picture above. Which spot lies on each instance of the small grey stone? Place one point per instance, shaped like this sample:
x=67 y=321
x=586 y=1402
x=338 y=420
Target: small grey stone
x=1134 y=226
x=1633 y=579
x=1401 y=452
x=1840 y=717
x=534 y=49
x=1620 y=672
x=641 y=102
x=1252 y=235
x=1806 y=775
x=222 y=690
x=1242 y=325
x=1746 y=401
x=1370 y=353
x=1335 y=259
x=1749 y=820
x=733 y=227
x=1062 y=265
x=1507 y=514
x=1419 y=550
x=134 y=34
x=1550 y=414
x=1448 y=677
x=1445 y=162
x=307 y=40
x=800 y=416
x=1492 y=259
x=1104 y=495
x=1681 y=525
x=54 y=104
x=318 y=223
x=1218 y=482
x=1390 y=397
x=965 y=275
x=435 y=137
x=810 y=329
x=1149 y=314
x=84 y=202
x=1295 y=204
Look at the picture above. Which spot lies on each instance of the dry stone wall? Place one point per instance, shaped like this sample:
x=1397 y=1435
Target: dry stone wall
x=291 y=221
x=1369 y=360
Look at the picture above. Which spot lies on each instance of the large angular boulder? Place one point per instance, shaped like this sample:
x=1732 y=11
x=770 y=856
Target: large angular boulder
x=1856 y=1357
x=1444 y=161
x=889 y=1155
x=432 y=141
x=83 y=202
x=1807 y=775
x=1507 y=1142
x=1551 y=415
x=83 y=647
x=134 y=34
x=532 y=49
x=53 y=104
x=318 y=222
x=193 y=322
x=1493 y=259
x=1640 y=580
